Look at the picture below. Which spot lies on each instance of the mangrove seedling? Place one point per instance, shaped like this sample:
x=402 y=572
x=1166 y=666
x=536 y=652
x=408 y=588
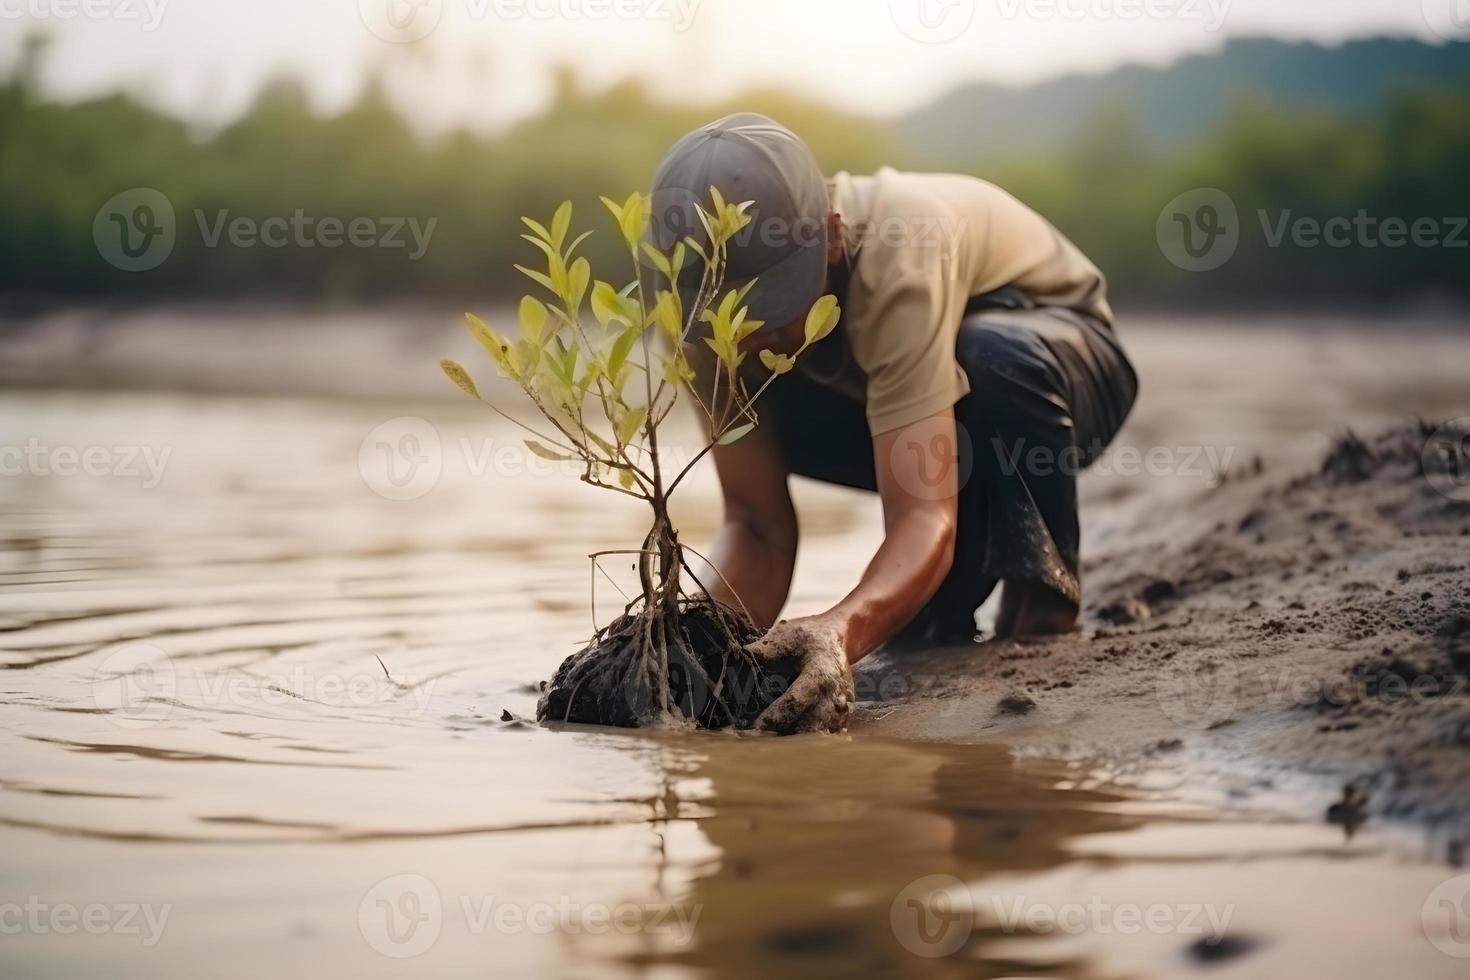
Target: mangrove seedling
x=603 y=388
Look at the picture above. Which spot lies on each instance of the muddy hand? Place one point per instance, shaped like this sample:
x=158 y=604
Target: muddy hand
x=820 y=697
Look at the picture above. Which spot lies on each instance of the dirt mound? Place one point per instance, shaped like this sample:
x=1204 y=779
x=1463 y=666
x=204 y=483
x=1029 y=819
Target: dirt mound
x=1310 y=626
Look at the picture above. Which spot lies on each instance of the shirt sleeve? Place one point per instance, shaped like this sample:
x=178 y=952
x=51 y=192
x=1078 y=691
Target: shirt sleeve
x=904 y=334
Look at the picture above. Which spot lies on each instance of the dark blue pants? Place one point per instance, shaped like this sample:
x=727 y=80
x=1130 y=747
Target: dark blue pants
x=1049 y=389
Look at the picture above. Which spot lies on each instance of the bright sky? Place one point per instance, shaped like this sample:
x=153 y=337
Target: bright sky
x=486 y=61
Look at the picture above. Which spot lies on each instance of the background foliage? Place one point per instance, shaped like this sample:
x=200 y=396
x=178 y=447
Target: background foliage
x=1404 y=153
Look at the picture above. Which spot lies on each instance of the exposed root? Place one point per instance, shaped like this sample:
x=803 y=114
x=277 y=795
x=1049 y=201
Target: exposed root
x=651 y=667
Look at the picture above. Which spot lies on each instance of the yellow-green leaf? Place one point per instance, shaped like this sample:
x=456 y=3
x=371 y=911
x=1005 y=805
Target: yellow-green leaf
x=670 y=315
x=455 y=372
x=538 y=228
x=532 y=315
x=607 y=305
x=620 y=350
x=634 y=220
x=629 y=424
x=822 y=318
x=546 y=452
x=736 y=434
x=577 y=278
x=660 y=260
x=776 y=363
x=537 y=277
x=615 y=208
x=561 y=222
x=578 y=241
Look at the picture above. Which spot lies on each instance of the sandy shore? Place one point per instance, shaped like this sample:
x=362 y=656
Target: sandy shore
x=1274 y=639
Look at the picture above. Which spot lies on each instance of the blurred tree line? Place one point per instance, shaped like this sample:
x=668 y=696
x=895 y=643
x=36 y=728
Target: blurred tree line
x=60 y=162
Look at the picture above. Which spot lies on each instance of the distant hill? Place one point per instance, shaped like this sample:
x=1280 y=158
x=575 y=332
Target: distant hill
x=1182 y=101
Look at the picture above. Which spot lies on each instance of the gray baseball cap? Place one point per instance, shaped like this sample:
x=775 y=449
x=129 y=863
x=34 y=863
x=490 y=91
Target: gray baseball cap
x=749 y=157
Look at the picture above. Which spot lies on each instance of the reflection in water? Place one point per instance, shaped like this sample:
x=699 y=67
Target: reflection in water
x=267 y=702
x=820 y=838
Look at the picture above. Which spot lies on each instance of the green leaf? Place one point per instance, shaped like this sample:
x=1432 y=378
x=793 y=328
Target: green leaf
x=577 y=278
x=545 y=247
x=546 y=452
x=736 y=434
x=776 y=363
x=561 y=222
x=625 y=477
x=615 y=208
x=455 y=372
x=576 y=242
x=667 y=311
x=603 y=444
x=532 y=315
x=607 y=305
x=634 y=219
x=620 y=350
x=660 y=260
x=822 y=318
x=538 y=228
x=537 y=277
x=629 y=424
x=675 y=369
x=502 y=353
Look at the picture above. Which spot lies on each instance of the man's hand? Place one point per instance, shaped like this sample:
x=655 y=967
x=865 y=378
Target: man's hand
x=820 y=697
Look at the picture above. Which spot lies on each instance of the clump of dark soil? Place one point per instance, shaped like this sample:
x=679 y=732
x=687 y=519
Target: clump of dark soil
x=710 y=679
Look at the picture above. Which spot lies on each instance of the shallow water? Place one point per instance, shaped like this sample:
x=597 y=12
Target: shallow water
x=252 y=726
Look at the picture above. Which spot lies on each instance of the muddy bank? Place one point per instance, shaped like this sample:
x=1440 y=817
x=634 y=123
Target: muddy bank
x=1274 y=639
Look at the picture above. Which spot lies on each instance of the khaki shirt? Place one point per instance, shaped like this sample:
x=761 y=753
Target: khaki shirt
x=922 y=245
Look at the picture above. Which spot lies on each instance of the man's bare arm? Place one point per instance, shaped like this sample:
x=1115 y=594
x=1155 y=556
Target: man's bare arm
x=755 y=550
x=918 y=482
x=917 y=469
